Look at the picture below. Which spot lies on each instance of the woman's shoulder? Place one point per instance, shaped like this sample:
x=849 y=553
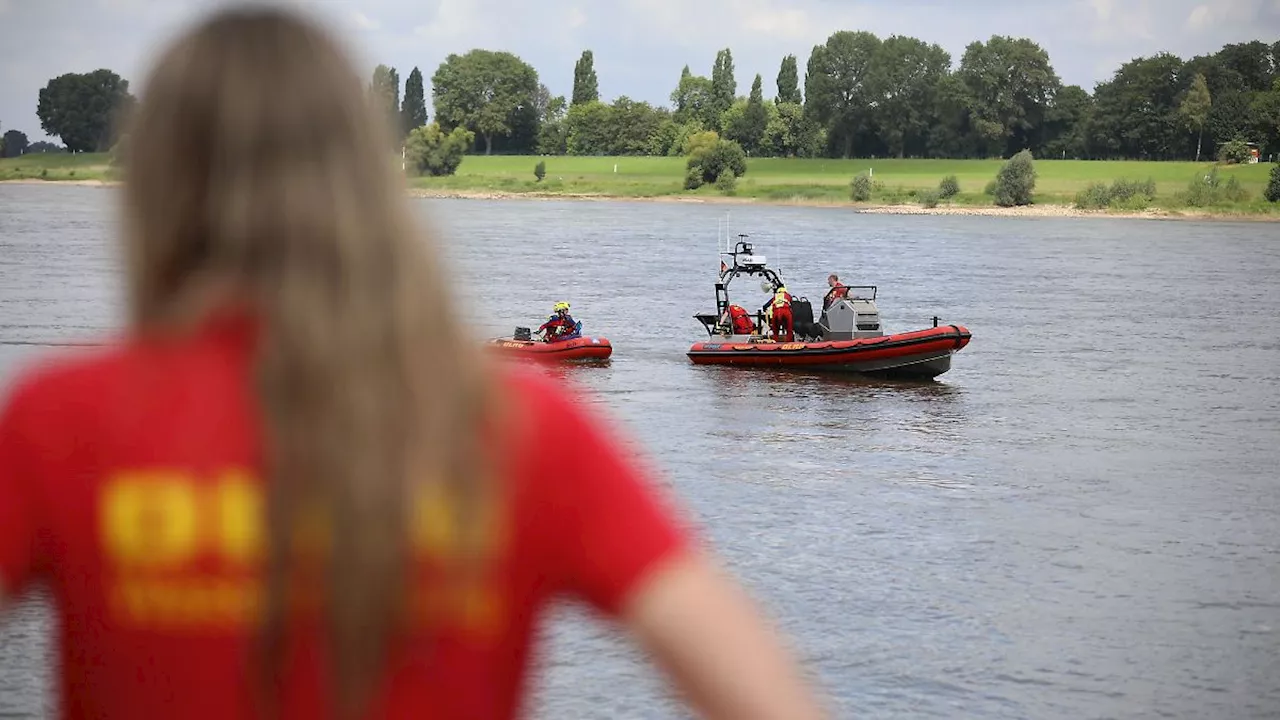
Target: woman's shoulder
x=533 y=394
x=83 y=372
x=543 y=407
x=66 y=371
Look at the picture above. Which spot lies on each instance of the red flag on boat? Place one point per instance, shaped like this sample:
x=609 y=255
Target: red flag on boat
x=723 y=268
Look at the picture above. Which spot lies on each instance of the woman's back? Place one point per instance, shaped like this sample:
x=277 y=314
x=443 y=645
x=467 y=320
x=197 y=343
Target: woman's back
x=297 y=483
x=133 y=482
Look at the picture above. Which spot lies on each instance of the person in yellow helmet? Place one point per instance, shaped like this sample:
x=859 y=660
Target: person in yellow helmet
x=781 y=315
x=561 y=325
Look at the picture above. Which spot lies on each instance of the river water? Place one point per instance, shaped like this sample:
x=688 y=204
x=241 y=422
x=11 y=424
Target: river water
x=1079 y=520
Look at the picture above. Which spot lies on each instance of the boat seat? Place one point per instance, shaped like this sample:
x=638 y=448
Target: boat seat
x=802 y=320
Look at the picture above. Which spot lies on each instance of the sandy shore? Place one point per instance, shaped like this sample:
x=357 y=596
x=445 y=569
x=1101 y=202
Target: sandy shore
x=38 y=181
x=1050 y=210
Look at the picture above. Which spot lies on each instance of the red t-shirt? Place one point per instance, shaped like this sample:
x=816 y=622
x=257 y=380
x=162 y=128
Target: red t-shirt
x=130 y=482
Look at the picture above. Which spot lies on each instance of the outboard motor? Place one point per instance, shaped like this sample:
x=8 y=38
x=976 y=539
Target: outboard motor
x=850 y=318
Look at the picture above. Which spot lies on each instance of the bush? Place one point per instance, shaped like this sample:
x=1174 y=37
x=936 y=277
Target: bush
x=989 y=189
x=930 y=198
x=1210 y=190
x=1127 y=194
x=1233 y=191
x=429 y=151
x=725 y=156
x=949 y=187
x=1234 y=152
x=1016 y=181
x=1124 y=191
x=684 y=132
x=1094 y=197
x=700 y=143
x=727 y=182
x=540 y=170
x=861 y=188
x=118 y=150
x=1272 y=193
x=693 y=177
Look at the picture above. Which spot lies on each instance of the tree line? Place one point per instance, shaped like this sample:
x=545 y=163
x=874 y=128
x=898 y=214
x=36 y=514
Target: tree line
x=859 y=96
x=863 y=96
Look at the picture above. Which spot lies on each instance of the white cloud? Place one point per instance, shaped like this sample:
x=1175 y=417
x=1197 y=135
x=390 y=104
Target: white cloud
x=735 y=23
x=1199 y=18
x=788 y=23
x=363 y=21
x=1125 y=20
x=453 y=19
x=117 y=5
x=1242 y=11
x=577 y=18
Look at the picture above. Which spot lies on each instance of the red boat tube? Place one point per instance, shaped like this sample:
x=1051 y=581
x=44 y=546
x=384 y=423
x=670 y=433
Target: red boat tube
x=919 y=354
x=579 y=349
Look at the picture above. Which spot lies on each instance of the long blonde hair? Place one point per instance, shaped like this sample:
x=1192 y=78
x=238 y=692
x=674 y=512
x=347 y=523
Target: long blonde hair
x=256 y=165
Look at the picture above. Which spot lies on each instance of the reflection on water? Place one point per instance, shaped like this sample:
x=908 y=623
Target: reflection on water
x=1078 y=520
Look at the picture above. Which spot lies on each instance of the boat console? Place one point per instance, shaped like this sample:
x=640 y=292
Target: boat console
x=853 y=316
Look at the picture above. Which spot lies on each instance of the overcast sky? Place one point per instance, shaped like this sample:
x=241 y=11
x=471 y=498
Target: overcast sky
x=639 y=45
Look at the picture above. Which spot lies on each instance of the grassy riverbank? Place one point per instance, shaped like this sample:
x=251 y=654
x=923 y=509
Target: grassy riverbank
x=56 y=167
x=898 y=183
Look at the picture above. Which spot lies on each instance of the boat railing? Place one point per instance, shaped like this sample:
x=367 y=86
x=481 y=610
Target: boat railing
x=859 y=292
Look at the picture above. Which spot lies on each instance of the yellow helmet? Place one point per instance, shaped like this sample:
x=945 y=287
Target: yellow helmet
x=562 y=306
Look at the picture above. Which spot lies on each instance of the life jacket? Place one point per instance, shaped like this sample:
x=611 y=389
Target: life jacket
x=559 y=325
x=782 y=299
x=837 y=292
x=742 y=324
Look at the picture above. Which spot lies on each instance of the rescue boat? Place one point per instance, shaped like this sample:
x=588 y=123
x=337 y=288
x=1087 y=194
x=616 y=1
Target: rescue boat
x=579 y=349
x=847 y=337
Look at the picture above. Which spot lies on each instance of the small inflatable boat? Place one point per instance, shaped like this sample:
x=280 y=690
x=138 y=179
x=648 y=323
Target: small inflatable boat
x=577 y=349
x=846 y=338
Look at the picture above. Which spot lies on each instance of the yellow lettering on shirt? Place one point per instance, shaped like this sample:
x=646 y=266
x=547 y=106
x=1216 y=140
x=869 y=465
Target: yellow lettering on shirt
x=150 y=520
x=184 y=553
x=238 y=528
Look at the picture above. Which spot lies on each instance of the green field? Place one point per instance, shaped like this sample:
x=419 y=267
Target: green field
x=775 y=179
x=55 y=166
x=899 y=181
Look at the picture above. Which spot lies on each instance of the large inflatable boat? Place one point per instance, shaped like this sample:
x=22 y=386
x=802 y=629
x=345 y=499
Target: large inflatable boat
x=846 y=338
x=578 y=349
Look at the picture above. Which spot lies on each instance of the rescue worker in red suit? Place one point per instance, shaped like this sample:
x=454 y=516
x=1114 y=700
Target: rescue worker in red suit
x=781 y=315
x=741 y=320
x=561 y=325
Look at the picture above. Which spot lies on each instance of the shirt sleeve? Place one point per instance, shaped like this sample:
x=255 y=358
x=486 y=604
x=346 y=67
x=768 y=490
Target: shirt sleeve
x=613 y=524
x=19 y=520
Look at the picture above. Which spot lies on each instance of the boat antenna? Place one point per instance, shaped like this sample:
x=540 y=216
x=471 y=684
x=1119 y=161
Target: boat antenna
x=719 y=227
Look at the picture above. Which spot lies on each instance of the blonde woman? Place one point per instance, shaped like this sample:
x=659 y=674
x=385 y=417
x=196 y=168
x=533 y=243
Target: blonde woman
x=284 y=491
